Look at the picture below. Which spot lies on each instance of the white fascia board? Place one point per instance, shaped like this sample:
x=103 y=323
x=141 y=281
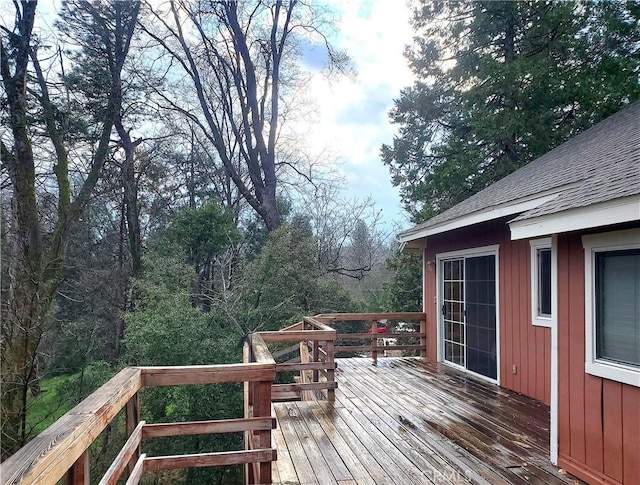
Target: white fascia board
x=496 y=212
x=617 y=211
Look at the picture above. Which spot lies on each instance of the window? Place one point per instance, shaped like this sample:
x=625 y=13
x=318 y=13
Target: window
x=612 y=308
x=543 y=281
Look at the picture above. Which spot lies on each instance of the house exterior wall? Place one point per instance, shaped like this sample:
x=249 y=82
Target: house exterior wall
x=599 y=419
x=521 y=344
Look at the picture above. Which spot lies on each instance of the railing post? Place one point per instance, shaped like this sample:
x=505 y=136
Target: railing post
x=423 y=338
x=248 y=435
x=262 y=408
x=78 y=474
x=132 y=413
x=331 y=373
x=316 y=358
x=374 y=341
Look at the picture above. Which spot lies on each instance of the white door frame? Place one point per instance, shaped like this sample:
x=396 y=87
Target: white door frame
x=492 y=250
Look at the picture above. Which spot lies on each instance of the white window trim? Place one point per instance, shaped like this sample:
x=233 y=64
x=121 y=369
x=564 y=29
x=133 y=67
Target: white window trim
x=544 y=243
x=609 y=241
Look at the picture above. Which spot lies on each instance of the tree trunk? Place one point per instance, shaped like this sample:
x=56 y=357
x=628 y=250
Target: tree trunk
x=130 y=186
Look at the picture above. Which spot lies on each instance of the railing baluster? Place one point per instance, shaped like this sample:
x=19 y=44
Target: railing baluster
x=78 y=474
x=374 y=341
x=132 y=413
x=316 y=358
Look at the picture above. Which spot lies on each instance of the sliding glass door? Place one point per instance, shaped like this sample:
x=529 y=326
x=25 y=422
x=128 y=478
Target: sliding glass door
x=469 y=336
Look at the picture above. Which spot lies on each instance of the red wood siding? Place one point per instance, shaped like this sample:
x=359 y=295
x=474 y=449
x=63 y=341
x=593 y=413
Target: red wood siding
x=599 y=419
x=521 y=344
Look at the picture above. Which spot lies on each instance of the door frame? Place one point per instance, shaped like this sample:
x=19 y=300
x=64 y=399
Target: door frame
x=492 y=250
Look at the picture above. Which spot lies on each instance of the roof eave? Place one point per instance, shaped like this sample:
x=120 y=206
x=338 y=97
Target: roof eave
x=485 y=215
x=615 y=211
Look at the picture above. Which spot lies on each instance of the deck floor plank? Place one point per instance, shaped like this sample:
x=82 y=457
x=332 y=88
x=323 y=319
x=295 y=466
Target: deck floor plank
x=490 y=401
x=304 y=472
x=336 y=465
x=327 y=414
x=398 y=467
x=407 y=421
x=340 y=452
x=447 y=457
x=283 y=470
x=477 y=429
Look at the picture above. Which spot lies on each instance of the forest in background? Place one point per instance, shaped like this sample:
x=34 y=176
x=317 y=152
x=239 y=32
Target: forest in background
x=157 y=206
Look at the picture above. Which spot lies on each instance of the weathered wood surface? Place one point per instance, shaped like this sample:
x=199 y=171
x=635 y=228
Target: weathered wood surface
x=378 y=348
x=310 y=386
x=306 y=376
x=349 y=317
x=207 y=427
x=286 y=367
x=49 y=455
x=260 y=351
x=79 y=474
x=298 y=335
x=414 y=422
x=206 y=374
x=370 y=335
x=316 y=324
x=138 y=470
x=127 y=452
x=223 y=458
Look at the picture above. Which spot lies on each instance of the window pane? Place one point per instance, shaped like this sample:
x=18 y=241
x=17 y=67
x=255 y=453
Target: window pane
x=618 y=306
x=544 y=282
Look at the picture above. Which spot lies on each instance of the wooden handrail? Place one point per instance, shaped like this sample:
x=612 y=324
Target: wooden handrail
x=47 y=458
x=347 y=317
x=62 y=449
x=373 y=336
x=316 y=343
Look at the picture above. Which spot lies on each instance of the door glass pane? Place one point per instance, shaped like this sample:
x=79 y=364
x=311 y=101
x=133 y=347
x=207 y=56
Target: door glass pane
x=480 y=322
x=453 y=311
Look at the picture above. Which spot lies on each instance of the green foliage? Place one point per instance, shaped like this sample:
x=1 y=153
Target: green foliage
x=404 y=292
x=501 y=83
x=205 y=232
x=282 y=284
x=166 y=329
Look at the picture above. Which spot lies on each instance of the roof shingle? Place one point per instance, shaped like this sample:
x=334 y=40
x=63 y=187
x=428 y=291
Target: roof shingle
x=600 y=164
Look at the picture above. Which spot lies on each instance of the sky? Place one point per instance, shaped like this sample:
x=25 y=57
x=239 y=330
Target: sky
x=353 y=120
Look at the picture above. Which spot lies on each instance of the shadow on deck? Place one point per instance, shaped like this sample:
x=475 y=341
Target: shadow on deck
x=407 y=421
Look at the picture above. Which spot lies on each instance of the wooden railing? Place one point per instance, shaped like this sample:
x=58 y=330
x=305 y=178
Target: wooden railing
x=62 y=449
x=313 y=358
x=372 y=335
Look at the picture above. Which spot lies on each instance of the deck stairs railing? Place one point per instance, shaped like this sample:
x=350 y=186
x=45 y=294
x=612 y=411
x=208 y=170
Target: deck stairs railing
x=62 y=450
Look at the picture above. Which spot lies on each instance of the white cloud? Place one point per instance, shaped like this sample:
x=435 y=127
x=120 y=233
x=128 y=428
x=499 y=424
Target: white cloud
x=352 y=121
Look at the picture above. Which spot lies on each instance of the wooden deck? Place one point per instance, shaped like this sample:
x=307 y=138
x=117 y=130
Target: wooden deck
x=406 y=421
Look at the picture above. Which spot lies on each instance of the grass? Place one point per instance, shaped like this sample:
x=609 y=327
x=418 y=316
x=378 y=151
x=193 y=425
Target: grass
x=46 y=408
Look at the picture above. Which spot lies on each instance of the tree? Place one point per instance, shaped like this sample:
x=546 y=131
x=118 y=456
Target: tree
x=208 y=236
x=501 y=83
x=239 y=58
x=166 y=329
x=38 y=245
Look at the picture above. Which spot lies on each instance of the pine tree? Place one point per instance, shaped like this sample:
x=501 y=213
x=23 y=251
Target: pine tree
x=501 y=83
